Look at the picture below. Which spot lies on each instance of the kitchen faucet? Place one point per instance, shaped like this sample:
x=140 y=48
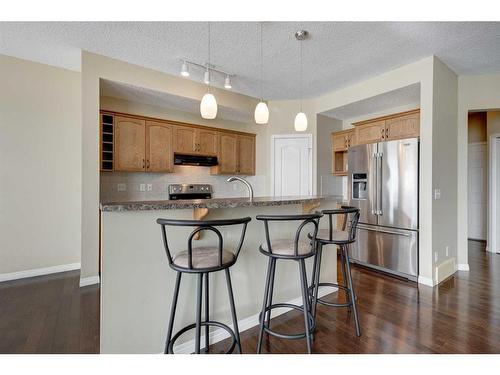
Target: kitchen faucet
x=249 y=187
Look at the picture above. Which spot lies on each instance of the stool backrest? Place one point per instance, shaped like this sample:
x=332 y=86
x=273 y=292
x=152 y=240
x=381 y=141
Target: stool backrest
x=349 y=216
x=202 y=225
x=305 y=219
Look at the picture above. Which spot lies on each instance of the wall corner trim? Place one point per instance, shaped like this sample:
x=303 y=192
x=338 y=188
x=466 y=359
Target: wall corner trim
x=39 y=272
x=91 y=280
x=426 y=281
x=463 y=267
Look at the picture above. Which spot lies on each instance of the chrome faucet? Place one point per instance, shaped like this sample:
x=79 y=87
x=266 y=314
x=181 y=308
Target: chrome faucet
x=249 y=187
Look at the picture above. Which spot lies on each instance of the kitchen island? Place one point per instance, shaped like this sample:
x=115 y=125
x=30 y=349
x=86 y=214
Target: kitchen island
x=137 y=283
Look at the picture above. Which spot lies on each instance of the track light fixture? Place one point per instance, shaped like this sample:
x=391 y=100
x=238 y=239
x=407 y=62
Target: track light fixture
x=227 y=82
x=184 y=69
x=208 y=70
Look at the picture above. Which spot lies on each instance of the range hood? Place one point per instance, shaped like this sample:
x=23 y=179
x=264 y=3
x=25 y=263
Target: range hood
x=202 y=161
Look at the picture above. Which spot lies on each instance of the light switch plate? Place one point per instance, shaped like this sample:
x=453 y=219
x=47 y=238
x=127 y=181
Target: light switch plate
x=437 y=194
x=150 y=187
x=121 y=187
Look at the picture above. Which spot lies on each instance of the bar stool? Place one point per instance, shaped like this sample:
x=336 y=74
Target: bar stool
x=343 y=238
x=287 y=249
x=202 y=261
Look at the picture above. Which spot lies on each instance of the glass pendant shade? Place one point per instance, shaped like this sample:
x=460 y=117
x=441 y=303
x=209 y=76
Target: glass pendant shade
x=300 y=122
x=261 y=113
x=208 y=106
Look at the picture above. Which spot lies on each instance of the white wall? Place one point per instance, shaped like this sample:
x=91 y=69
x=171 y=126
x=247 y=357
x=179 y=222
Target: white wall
x=40 y=157
x=478 y=92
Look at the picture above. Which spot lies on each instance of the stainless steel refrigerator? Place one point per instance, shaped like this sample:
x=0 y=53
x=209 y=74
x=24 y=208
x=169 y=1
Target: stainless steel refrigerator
x=383 y=184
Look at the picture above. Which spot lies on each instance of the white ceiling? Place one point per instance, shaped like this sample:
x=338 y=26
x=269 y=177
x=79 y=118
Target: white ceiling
x=336 y=55
x=161 y=99
x=405 y=96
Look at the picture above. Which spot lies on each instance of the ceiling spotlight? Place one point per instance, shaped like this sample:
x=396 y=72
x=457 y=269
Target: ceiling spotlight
x=227 y=82
x=206 y=77
x=184 y=70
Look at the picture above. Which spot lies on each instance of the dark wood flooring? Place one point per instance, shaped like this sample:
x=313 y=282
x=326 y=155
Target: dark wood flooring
x=51 y=314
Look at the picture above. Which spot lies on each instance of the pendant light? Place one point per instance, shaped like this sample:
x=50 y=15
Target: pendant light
x=208 y=105
x=261 y=114
x=301 y=118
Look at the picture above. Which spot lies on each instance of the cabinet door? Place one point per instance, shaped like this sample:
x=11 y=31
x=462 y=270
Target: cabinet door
x=370 y=133
x=130 y=144
x=351 y=138
x=185 y=140
x=159 y=152
x=206 y=142
x=228 y=154
x=403 y=127
x=246 y=155
x=339 y=141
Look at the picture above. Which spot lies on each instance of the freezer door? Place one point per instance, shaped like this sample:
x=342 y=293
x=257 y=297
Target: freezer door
x=388 y=249
x=361 y=166
x=398 y=190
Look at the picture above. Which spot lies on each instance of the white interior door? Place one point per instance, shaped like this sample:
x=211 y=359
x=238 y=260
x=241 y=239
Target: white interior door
x=292 y=164
x=478 y=191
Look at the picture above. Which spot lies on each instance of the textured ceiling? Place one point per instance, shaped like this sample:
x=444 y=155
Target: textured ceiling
x=161 y=99
x=405 y=96
x=336 y=55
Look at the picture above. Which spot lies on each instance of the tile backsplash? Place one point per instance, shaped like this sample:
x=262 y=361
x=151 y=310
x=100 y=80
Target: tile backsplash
x=112 y=181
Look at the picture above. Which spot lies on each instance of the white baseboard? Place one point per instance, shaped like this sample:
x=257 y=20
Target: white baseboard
x=91 y=280
x=39 y=272
x=463 y=267
x=425 y=281
x=243 y=325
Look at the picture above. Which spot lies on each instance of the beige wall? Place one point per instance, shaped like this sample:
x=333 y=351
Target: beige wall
x=476 y=127
x=475 y=93
x=493 y=123
x=40 y=157
x=327 y=183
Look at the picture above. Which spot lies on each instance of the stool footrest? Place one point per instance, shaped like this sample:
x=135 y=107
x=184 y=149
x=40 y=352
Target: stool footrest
x=331 y=304
x=295 y=336
x=209 y=323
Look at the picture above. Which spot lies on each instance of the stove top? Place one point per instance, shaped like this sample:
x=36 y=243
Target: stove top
x=189 y=191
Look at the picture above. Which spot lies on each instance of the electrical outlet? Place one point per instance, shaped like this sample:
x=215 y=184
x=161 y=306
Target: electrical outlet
x=150 y=187
x=437 y=194
x=435 y=256
x=121 y=187
x=142 y=187
x=447 y=251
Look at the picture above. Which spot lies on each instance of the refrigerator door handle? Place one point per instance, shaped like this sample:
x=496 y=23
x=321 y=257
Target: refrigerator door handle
x=373 y=185
x=379 y=183
x=388 y=231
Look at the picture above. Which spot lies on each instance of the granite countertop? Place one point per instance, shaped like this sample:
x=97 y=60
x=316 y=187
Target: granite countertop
x=212 y=203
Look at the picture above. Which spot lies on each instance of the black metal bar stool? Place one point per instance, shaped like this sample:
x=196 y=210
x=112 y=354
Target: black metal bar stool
x=343 y=238
x=288 y=249
x=202 y=261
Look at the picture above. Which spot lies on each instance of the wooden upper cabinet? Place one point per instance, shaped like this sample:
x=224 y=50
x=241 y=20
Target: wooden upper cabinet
x=246 y=155
x=339 y=141
x=228 y=154
x=407 y=126
x=370 y=133
x=130 y=145
x=184 y=140
x=159 y=147
x=206 y=142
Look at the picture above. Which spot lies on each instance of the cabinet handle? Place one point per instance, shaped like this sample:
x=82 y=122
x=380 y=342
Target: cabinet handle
x=143 y=163
x=387 y=132
x=382 y=132
x=147 y=165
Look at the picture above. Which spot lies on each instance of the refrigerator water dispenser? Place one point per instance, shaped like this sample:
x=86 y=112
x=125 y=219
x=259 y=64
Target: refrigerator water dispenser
x=359 y=186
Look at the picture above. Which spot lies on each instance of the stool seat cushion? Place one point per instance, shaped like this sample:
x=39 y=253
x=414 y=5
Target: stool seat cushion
x=286 y=247
x=203 y=257
x=337 y=235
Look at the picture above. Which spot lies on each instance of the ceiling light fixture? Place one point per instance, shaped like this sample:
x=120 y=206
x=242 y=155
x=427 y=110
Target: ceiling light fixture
x=261 y=113
x=208 y=105
x=301 y=118
x=184 y=69
x=227 y=82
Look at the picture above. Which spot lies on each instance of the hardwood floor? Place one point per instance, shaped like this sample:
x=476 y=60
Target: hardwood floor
x=51 y=314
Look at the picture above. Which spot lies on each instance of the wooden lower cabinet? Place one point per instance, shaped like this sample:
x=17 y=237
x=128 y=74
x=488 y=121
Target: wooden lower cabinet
x=130 y=145
x=159 y=148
